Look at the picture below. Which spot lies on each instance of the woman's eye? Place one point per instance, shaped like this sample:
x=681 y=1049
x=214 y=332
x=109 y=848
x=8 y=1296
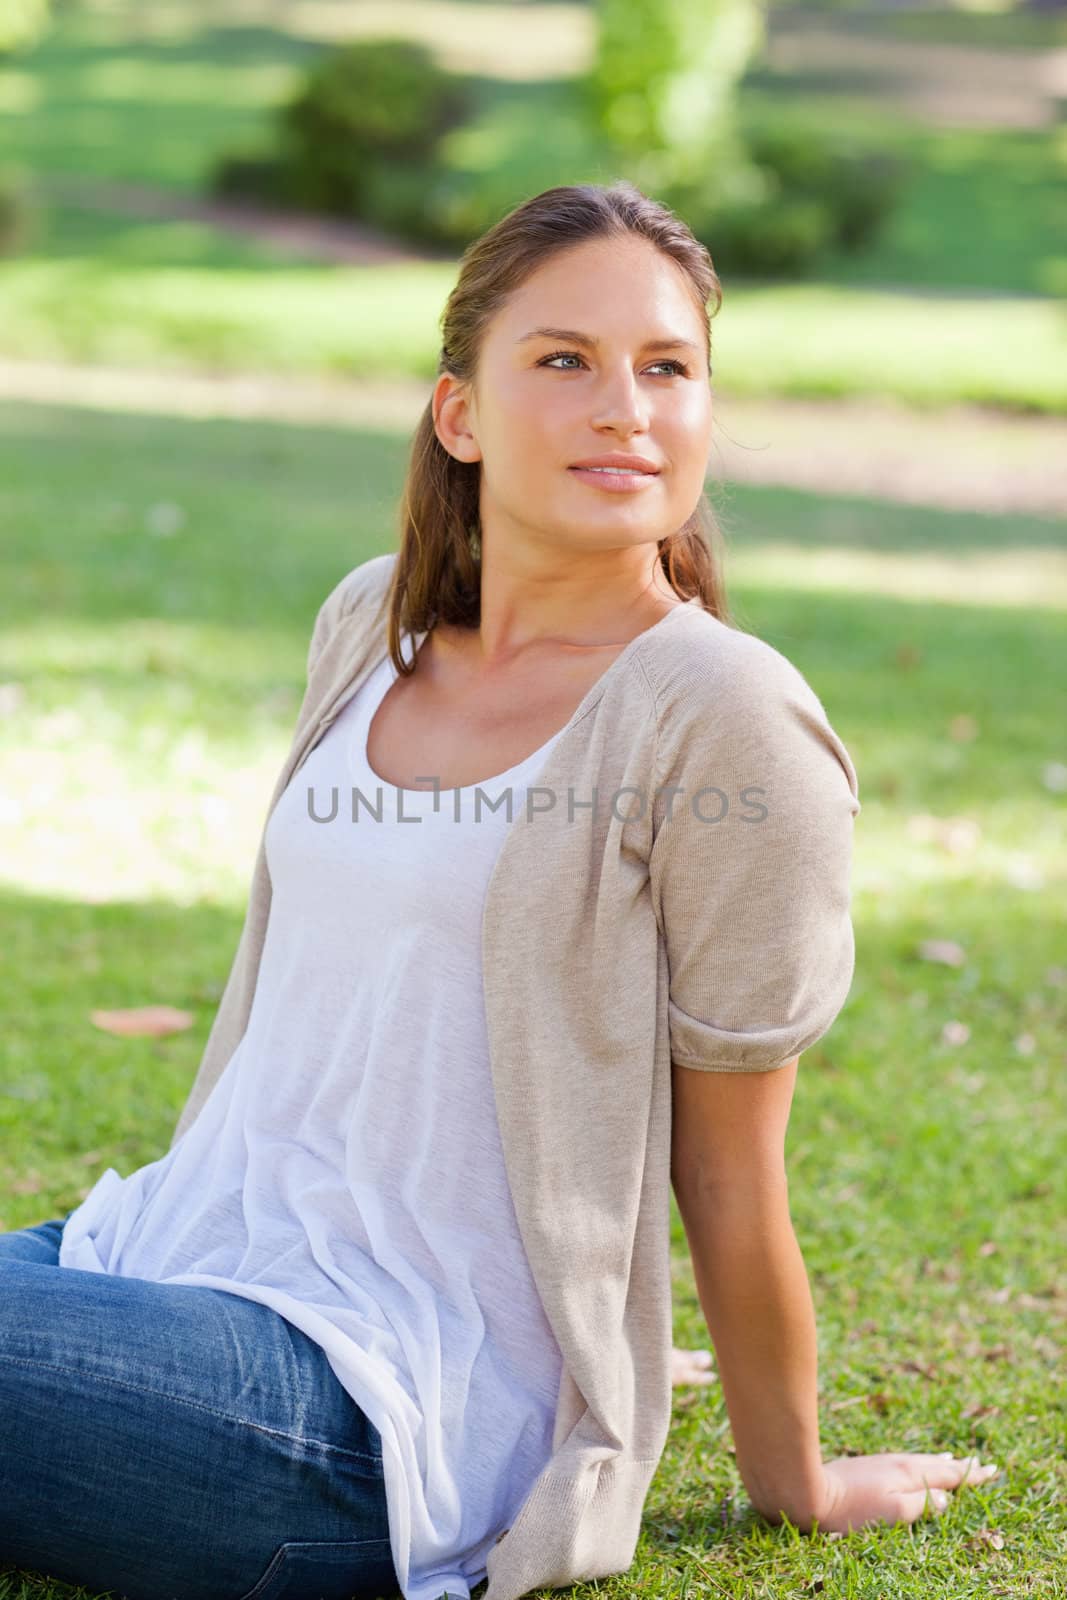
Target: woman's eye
x=679 y=367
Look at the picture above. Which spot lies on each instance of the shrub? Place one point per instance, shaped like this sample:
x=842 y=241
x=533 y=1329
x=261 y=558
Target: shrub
x=364 y=106
x=774 y=239
x=378 y=131
x=517 y=147
x=248 y=175
x=807 y=193
x=662 y=85
x=857 y=186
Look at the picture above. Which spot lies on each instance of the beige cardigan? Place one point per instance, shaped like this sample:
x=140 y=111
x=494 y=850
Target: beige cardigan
x=617 y=935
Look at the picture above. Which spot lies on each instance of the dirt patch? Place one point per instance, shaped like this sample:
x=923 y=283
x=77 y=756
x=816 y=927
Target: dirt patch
x=946 y=85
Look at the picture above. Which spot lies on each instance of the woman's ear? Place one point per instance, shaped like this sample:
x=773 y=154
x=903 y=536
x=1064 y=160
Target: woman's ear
x=452 y=418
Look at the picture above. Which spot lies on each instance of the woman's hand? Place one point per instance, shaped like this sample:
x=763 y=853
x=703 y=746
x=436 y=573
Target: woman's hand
x=864 y=1490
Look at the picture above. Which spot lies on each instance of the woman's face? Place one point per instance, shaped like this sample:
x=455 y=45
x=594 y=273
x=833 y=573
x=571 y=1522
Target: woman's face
x=534 y=412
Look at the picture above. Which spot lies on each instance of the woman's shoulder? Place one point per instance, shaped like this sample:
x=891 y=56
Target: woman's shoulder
x=702 y=664
x=367 y=581
x=360 y=594
x=730 y=699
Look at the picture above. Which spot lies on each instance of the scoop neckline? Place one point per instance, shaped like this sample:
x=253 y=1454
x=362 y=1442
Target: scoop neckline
x=585 y=705
x=461 y=789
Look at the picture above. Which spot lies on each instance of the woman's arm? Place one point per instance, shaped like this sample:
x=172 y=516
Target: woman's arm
x=728 y=1172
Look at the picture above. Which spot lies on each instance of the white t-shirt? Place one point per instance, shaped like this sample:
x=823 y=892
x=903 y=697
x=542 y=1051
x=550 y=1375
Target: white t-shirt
x=347 y=1167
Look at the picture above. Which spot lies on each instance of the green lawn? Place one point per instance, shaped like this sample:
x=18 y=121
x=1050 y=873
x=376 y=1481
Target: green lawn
x=158 y=586
x=799 y=339
x=975 y=256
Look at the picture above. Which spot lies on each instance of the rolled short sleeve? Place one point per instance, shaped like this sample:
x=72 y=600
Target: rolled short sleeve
x=751 y=869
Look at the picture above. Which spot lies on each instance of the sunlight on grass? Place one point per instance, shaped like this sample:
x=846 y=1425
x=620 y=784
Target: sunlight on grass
x=980 y=847
x=187 y=82
x=805 y=338
x=20 y=92
x=364 y=320
x=1014 y=577
x=98 y=826
x=526 y=42
x=798 y=339
x=120 y=794
x=534 y=40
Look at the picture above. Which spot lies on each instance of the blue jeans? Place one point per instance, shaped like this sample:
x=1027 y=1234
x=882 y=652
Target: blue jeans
x=177 y=1442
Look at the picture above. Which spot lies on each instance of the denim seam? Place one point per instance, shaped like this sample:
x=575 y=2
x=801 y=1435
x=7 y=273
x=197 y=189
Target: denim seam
x=196 y=1405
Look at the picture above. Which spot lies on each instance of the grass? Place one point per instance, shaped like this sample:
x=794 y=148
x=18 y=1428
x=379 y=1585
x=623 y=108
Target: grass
x=800 y=339
x=159 y=581
x=975 y=256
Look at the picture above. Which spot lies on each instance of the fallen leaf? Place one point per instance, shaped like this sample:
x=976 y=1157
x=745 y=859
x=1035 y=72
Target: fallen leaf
x=691 y=1366
x=991 y=1538
x=143 y=1020
x=945 y=951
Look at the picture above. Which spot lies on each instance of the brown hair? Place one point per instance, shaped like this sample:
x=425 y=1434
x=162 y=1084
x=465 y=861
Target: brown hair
x=436 y=577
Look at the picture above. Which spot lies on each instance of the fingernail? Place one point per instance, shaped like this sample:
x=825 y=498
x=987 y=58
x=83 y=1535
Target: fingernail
x=939 y=1498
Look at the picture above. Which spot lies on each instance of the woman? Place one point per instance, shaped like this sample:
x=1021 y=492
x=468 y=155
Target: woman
x=393 y=1312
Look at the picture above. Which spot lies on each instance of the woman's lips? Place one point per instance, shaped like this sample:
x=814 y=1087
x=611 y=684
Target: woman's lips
x=616 y=482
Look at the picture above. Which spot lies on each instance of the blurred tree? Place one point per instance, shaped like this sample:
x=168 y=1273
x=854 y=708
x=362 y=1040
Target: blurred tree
x=662 y=93
x=662 y=88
